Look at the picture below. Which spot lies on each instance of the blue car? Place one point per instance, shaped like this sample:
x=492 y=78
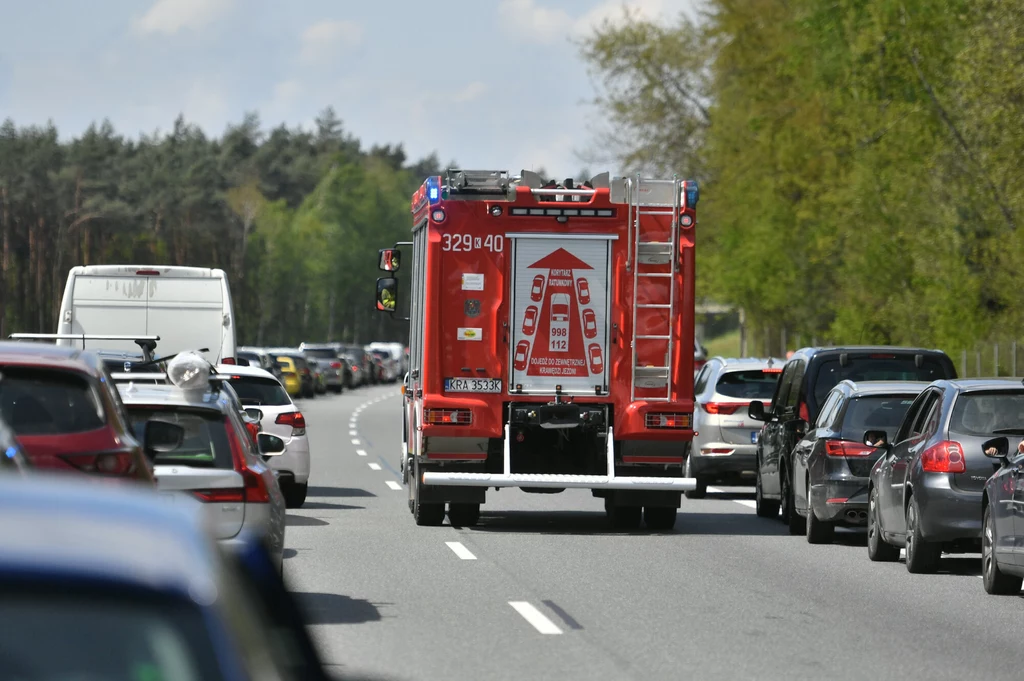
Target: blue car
x=100 y=582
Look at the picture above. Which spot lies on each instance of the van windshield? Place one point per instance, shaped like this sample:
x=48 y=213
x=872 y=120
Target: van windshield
x=875 y=368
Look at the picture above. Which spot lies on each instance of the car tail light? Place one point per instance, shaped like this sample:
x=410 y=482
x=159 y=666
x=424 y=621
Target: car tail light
x=255 y=490
x=803 y=412
x=228 y=360
x=295 y=419
x=668 y=420
x=105 y=463
x=945 y=457
x=772 y=370
x=846 y=448
x=448 y=417
x=220 y=496
x=335 y=365
x=724 y=408
x=254 y=430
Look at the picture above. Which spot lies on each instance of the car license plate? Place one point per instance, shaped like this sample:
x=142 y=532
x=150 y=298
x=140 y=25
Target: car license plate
x=753 y=437
x=472 y=385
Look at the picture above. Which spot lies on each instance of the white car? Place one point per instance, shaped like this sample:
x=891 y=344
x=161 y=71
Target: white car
x=260 y=390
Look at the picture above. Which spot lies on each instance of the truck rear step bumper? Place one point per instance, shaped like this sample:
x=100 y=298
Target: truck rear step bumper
x=558 y=481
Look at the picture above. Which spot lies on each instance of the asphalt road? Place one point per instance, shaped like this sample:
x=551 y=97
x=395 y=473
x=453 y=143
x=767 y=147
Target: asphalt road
x=543 y=589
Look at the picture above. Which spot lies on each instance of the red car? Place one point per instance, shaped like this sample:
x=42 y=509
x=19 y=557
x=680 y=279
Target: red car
x=589 y=323
x=522 y=350
x=537 y=291
x=530 y=320
x=596 y=361
x=583 y=288
x=67 y=414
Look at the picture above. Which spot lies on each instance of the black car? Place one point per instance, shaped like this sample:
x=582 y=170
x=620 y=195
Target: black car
x=832 y=462
x=926 y=489
x=806 y=380
x=1002 y=524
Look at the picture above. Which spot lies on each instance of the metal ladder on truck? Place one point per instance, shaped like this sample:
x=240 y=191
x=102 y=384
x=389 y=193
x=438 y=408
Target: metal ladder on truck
x=652 y=203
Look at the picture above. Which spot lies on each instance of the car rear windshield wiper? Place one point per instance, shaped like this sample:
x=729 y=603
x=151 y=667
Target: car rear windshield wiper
x=1008 y=431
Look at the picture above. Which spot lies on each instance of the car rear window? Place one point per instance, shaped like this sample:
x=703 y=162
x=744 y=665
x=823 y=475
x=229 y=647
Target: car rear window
x=747 y=385
x=887 y=368
x=103 y=637
x=49 y=402
x=206 y=443
x=983 y=413
x=325 y=353
x=256 y=391
x=881 y=412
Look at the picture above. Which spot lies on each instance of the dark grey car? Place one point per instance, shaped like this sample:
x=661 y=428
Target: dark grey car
x=832 y=462
x=926 y=489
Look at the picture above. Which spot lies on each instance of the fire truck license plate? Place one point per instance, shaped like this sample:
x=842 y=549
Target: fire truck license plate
x=472 y=385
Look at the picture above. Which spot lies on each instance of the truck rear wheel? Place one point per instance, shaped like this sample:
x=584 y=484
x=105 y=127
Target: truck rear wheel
x=660 y=517
x=426 y=514
x=623 y=517
x=463 y=515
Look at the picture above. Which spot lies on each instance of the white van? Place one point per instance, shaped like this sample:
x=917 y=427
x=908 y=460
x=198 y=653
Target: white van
x=189 y=308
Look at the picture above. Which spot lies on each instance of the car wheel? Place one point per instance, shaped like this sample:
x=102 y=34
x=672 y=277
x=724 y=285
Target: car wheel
x=765 y=508
x=793 y=520
x=701 y=490
x=337 y=389
x=922 y=555
x=660 y=518
x=464 y=515
x=295 y=494
x=879 y=550
x=996 y=581
x=818 y=531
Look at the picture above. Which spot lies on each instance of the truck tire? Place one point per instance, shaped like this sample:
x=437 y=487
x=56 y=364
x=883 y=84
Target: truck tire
x=623 y=517
x=661 y=518
x=430 y=514
x=463 y=515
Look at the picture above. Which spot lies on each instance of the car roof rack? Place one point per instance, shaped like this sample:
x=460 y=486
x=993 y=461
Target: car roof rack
x=146 y=343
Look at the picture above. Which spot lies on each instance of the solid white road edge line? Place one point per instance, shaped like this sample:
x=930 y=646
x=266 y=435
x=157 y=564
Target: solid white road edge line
x=374 y=466
x=460 y=550
x=361 y=452
x=535 y=617
x=393 y=485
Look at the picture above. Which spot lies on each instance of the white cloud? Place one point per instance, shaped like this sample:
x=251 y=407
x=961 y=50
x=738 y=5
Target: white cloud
x=325 y=39
x=539 y=24
x=472 y=91
x=170 y=16
x=205 y=103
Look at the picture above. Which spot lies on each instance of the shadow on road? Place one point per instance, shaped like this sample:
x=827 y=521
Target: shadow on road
x=304 y=520
x=596 y=523
x=339 y=492
x=322 y=505
x=321 y=608
x=960 y=566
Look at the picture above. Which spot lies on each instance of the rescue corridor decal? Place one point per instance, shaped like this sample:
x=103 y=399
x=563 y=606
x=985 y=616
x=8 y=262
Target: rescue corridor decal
x=560 y=312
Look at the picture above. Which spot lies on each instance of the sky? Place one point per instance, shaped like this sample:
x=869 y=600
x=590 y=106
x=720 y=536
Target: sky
x=492 y=84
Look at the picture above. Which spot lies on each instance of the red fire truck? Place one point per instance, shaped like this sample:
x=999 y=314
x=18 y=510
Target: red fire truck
x=550 y=343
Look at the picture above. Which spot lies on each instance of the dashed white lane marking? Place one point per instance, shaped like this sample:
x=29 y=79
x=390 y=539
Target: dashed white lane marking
x=535 y=617
x=749 y=503
x=361 y=452
x=355 y=441
x=352 y=432
x=460 y=550
x=393 y=485
x=374 y=466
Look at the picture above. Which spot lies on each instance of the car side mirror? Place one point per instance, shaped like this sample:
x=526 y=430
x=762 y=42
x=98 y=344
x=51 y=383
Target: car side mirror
x=876 y=438
x=270 y=445
x=254 y=413
x=756 y=410
x=997 y=447
x=390 y=260
x=161 y=437
x=387 y=294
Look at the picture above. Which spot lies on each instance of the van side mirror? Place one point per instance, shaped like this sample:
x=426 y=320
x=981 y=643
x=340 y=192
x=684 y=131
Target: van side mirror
x=756 y=410
x=161 y=437
x=387 y=294
x=390 y=260
x=270 y=445
x=997 y=447
x=876 y=438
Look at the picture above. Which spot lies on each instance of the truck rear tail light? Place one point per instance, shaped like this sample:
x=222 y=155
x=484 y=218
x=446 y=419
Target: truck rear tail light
x=448 y=417
x=723 y=408
x=295 y=419
x=668 y=420
x=437 y=215
x=846 y=448
x=945 y=457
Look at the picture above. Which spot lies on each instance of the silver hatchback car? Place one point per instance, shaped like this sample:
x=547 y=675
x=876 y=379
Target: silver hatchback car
x=725 y=445
x=215 y=461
